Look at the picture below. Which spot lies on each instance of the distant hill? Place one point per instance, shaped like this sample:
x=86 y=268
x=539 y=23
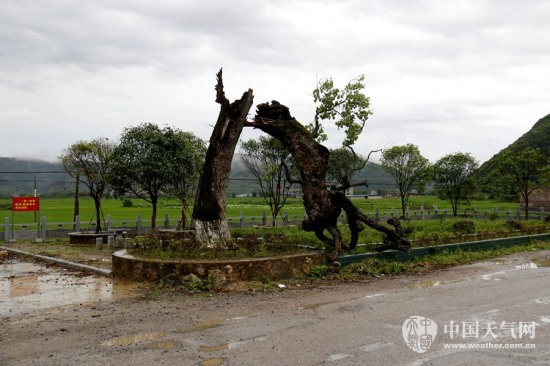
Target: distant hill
x=240 y=182
x=537 y=137
x=17 y=176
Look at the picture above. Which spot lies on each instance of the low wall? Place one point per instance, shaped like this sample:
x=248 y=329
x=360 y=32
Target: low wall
x=129 y=267
x=423 y=251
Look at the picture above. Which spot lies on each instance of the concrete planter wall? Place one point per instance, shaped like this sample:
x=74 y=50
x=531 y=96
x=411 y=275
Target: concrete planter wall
x=129 y=267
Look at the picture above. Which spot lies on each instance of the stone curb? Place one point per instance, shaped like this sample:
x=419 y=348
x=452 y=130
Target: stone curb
x=61 y=262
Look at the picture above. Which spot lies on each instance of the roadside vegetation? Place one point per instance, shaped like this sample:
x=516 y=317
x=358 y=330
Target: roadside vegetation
x=378 y=267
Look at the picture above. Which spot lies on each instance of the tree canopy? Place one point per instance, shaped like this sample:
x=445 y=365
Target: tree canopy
x=408 y=168
x=452 y=177
x=348 y=108
x=185 y=160
x=267 y=161
x=523 y=171
x=146 y=162
x=90 y=163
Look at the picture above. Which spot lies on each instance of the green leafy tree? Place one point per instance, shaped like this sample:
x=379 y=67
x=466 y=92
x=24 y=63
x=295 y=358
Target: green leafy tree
x=90 y=162
x=344 y=164
x=408 y=168
x=452 y=177
x=186 y=155
x=144 y=161
x=267 y=161
x=524 y=171
x=348 y=108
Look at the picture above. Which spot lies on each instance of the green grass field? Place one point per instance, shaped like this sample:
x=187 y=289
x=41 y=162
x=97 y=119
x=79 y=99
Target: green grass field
x=60 y=210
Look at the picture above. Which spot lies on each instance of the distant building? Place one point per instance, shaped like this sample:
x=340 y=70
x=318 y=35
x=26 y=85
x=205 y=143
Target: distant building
x=396 y=193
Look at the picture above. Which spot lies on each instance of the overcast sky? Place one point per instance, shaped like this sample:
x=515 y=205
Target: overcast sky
x=447 y=76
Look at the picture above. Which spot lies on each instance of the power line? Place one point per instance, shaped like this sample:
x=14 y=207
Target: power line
x=42 y=172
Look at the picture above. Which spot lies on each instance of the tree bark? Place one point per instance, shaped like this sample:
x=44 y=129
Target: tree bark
x=312 y=162
x=209 y=220
x=323 y=205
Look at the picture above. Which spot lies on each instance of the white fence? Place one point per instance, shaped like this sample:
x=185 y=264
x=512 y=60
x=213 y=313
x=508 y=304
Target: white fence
x=46 y=230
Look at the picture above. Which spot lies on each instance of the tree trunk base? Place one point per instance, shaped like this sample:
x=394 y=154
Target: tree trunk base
x=212 y=233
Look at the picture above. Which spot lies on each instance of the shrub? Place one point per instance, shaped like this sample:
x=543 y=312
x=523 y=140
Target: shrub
x=465 y=227
x=514 y=225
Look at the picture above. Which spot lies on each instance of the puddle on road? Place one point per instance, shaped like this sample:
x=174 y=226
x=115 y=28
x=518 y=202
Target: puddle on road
x=207 y=324
x=212 y=362
x=28 y=286
x=220 y=347
x=425 y=284
x=162 y=346
x=133 y=339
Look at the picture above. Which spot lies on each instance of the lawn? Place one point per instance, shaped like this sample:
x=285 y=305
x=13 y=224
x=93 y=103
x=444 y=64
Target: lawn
x=60 y=210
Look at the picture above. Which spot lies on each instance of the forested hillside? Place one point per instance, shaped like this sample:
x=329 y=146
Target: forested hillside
x=17 y=177
x=538 y=137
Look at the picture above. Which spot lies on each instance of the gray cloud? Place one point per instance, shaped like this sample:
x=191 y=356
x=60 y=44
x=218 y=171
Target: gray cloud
x=447 y=76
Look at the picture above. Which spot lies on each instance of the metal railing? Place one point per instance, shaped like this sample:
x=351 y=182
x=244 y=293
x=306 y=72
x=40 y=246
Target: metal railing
x=138 y=226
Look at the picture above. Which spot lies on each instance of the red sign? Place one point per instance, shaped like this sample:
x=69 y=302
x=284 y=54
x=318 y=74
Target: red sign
x=24 y=204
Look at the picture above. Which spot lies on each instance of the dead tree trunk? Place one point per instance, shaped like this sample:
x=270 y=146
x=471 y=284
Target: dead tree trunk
x=323 y=206
x=209 y=220
x=312 y=162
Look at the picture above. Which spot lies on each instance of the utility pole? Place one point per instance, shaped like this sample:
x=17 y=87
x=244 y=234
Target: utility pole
x=76 y=202
x=35 y=213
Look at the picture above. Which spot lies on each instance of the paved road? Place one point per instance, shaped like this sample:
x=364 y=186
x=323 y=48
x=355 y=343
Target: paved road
x=503 y=303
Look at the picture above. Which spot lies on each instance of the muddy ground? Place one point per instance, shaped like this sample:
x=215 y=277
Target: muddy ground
x=120 y=323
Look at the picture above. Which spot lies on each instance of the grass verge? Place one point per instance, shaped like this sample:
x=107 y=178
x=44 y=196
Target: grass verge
x=377 y=267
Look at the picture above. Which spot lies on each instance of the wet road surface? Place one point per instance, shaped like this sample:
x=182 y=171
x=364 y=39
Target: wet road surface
x=351 y=324
x=28 y=286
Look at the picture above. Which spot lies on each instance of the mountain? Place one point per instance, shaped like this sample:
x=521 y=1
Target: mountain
x=18 y=176
x=240 y=182
x=537 y=137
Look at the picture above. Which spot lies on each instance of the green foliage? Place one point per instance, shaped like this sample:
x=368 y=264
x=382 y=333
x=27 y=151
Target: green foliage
x=464 y=227
x=268 y=161
x=408 y=168
x=126 y=202
x=514 y=225
x=344 y=164
x=377 y=267
x=524 y=171
x=149 y=160
x=319 y=272
x=245 y=243
x=90 y=162
x=349 y=108
x=536 y=137
x=452 y=177
x=185 y=158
